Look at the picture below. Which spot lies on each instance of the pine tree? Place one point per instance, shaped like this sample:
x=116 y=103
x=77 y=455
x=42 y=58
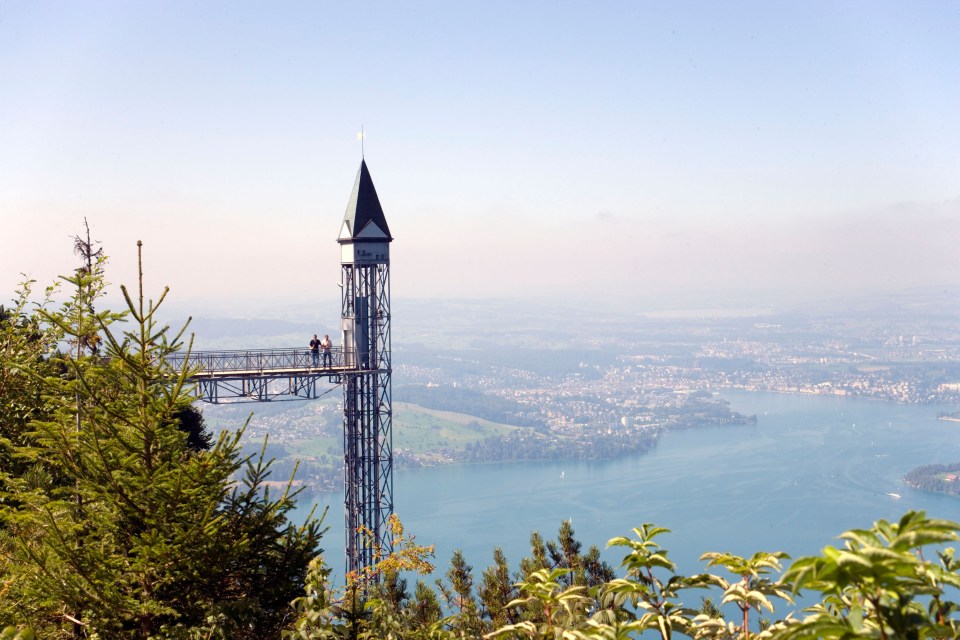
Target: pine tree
x=139 y=534
x=425 y=608
x=24 y=342
x=565 y=554
x=496 y=591
x=458 y=595
x=538 y=556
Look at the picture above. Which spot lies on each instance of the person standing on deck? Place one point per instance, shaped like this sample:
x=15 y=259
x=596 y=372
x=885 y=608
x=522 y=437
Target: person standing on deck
x=326 y=346
x=315 y=350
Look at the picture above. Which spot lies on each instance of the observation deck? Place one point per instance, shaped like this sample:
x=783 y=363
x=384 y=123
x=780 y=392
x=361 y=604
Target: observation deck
x=261 y=375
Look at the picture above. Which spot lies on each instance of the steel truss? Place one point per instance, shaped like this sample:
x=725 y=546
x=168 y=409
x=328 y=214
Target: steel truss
x=261 y=387
x=260 y=375
x=367 y=415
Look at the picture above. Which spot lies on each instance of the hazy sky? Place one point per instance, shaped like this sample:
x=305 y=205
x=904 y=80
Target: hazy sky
x=519 y=148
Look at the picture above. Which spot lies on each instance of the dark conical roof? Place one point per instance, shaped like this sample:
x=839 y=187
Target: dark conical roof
x=364 y=219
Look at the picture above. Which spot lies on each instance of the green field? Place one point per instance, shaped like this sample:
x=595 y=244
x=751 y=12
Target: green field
x=423 y=430
x=315 y=447
x=416 y=430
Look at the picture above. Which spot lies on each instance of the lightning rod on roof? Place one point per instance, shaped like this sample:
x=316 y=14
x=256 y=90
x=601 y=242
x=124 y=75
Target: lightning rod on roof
x=361 y=136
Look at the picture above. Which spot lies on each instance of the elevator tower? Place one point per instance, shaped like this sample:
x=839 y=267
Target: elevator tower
x=367 y=407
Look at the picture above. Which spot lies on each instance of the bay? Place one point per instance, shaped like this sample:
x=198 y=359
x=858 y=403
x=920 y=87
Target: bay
x=809 y=469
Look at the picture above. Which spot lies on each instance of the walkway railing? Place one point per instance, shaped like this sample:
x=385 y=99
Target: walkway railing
x=247 y=361
x=267 y=374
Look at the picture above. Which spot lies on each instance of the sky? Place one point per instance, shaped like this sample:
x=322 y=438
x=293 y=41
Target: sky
x=635 y=151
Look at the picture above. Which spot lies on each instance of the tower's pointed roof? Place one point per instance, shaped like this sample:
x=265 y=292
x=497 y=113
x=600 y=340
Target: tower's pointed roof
x=364 y=219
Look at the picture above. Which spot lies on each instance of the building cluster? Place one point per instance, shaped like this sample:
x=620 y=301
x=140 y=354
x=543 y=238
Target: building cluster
x=618 y=389
x=639 y=387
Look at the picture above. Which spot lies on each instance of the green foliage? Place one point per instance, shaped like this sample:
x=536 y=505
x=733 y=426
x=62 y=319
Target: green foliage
x=189 y=420
x=497 y=592
x=650 y=586
x=526 y=444
x=319 y=615
x=374 y=603
x=121 y=517
x=425 y=611
x=457 y=594
x=470 y=402
x=752 y=591
x=12 y=633
x=24 y=343
x=878 y=585
x=562 y=606
x=112 y=522
x=935 y=477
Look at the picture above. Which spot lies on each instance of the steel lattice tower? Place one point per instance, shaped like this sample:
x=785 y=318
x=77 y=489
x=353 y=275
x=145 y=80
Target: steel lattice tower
x=367 y=407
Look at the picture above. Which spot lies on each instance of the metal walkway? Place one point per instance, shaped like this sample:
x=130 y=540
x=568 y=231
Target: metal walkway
x=260 y=375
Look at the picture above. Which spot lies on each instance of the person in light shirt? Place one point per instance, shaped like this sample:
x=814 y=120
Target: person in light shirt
x=326 y=346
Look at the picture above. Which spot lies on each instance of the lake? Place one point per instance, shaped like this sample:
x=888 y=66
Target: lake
x=809 y=469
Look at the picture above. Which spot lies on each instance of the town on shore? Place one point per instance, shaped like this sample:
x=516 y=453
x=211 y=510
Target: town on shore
x=477 y=382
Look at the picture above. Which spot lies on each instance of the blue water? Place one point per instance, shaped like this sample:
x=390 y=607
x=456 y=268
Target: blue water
x=811 y=468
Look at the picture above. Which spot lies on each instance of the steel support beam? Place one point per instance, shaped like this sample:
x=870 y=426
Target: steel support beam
x=367 y=416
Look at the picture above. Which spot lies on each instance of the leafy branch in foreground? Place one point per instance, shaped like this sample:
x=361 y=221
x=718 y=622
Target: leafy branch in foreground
x=878 y=585
x=751 y=592
x=371 y=603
